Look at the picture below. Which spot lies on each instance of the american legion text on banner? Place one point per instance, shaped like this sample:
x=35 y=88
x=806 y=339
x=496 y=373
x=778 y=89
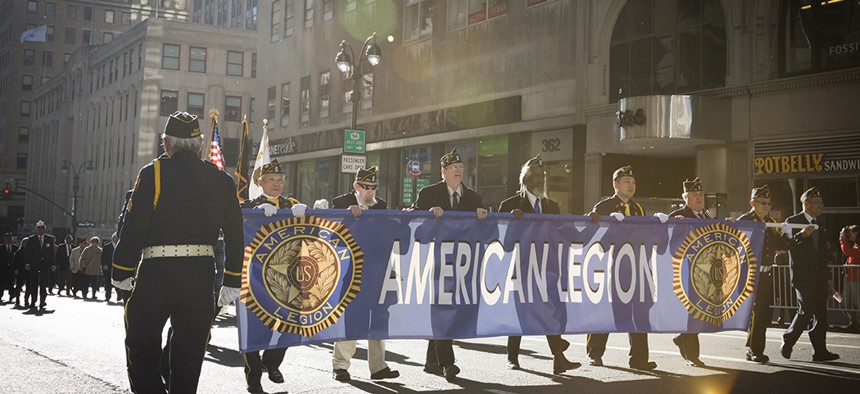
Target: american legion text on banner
x=388 y=274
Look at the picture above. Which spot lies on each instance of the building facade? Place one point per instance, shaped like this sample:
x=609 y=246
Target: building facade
x=26 y=63
x=107 y=110
x=721 y=90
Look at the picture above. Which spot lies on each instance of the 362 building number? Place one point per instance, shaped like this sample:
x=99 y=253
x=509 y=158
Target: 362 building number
x=551 y=145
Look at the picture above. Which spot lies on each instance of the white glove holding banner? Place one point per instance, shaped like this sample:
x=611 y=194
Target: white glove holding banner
x=228 y=295
x=124 y=284
x=268 y=209
x=662 y=216
x=617 y=215
x=299 y=210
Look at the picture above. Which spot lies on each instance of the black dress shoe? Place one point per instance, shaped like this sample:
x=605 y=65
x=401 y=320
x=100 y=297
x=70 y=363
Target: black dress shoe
x=561 y=364
x=275 y=375
x=434 y=370
x=695 y=362
x=644 y=365
x=758 y=358
x=680 y=344
x=256 y=388
x=513 y=365
x=595 y=362
x=341 y=375
x=785 y=350
x=385 y=373
x=451 y=372
x=825 y=357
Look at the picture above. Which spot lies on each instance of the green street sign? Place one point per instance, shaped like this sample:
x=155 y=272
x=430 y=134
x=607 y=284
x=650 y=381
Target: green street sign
x=353 y=141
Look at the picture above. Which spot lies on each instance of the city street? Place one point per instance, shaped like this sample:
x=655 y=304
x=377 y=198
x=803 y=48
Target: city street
x=76 y=347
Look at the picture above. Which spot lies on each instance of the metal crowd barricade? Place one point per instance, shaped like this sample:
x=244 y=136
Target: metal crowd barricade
x=784 y=296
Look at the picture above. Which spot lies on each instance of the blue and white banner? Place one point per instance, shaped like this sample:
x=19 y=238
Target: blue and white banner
x=387 y=274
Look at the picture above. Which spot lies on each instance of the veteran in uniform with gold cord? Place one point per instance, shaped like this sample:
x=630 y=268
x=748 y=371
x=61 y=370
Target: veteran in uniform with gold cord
x=270 y=177
x=172 y=223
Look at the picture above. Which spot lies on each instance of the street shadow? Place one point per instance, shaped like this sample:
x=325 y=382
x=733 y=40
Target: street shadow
x=501 y=350
x=224 y=356
x=38 y=312
x=361 y=354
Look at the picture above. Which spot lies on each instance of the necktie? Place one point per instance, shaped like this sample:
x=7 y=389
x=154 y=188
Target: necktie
x=455 y=201
x=41 y=242
x=274 y=201
x=626 y=209
x=537 y=205
x=815 y=235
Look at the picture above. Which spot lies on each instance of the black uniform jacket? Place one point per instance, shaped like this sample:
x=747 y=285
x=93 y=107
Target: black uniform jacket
x=614 y=204
x=344 y=201
x=521 y=201
x=6 y=259
x=281 y=202
x=187 y=205
x=436 y=195
x=688 y=213
x=808 y=263
x=773 y=239
x=34 y=254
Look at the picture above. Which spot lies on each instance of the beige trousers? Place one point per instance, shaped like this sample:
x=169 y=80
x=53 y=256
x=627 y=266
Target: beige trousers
x=344 y=350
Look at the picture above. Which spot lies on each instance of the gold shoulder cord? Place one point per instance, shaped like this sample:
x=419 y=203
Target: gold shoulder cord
x=157 y=184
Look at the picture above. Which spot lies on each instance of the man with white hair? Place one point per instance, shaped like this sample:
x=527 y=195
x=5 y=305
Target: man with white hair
x=532 y=198
x=39 y=254
x=363 y=196
x=177 y=208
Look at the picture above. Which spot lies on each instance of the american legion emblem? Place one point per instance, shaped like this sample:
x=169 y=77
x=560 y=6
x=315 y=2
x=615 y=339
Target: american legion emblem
x=714 y=272
x=300 y=274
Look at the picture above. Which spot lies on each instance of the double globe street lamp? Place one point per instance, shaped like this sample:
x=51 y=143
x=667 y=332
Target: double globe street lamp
x=76 y=184
x=371 y=53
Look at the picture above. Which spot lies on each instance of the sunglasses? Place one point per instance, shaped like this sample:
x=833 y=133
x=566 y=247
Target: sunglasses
x=368 y=187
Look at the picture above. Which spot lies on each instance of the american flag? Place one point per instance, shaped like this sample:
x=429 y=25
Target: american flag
x=215 y=155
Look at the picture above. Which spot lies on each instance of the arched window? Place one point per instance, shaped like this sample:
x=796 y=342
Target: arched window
x=818 y=35
x=667 y=46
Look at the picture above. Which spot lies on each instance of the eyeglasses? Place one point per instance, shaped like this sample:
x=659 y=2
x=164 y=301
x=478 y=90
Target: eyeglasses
x=368 y=187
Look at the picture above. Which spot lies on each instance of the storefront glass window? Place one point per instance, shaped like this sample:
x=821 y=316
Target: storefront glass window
x=818 y=35
x=315 y=181
x=412 y=182
x=493 y=171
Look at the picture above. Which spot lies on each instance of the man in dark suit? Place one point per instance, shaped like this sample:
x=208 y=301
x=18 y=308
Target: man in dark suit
x=106 y=261
x=39 y=256
x=694 y=207
x=810 y=277
x=363 y=196
x=774 y=244
x=621 y=204
x=172 y=223
x=7 y=257
x=449 y=194
x=64 y=250
x=532 y=198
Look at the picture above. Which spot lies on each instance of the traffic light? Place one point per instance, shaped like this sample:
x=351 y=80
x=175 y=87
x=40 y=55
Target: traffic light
x=7 y=191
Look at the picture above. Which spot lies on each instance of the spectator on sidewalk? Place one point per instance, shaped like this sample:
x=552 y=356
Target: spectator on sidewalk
x=76 y=276
x=107 y=260
x=851 y=287
x=64 y=281
x=91 y=267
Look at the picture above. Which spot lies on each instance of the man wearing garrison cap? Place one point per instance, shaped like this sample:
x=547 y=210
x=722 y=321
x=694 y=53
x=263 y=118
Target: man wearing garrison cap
x=363 y=196
x=774 y=244
x=532 y=198
x=810 y=277
x=449 y=194
x=694 y=208
x=39 y=252
x=177 y=208
x=619 y=206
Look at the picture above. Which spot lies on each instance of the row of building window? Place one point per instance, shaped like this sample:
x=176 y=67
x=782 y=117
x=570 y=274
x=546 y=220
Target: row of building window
x=110 y=69
x=71 y=11
x=284 y=101
x=195 y=104
x=170 y=60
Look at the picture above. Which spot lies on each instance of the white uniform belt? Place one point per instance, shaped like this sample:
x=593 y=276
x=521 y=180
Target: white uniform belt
x=151 y=252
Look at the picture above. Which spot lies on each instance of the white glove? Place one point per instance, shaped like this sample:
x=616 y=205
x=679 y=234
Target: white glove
x=228 y=295
x=124 y=284
x=662 y=216
x=268 y=209
x=299 y=210
x=786 y=229
x=617 y=215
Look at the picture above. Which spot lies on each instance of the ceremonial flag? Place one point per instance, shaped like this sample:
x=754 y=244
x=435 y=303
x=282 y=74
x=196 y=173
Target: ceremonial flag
x=215 y=155
x=254 y=190
x=36 y=34
x=242 y=165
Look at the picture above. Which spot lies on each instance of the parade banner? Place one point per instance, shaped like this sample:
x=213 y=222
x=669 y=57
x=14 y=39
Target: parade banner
x=388 y=274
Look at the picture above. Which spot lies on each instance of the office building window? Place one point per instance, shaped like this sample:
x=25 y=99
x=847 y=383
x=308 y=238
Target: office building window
x=252 y=115
x=276 y=21
x=197 y=59
x=462 y=13
x=350 y=5
x=109 y=16
x=254 y=65
x=328 y=9
x=290 y=18
x=170 y=57
x=233 y=108
x=86 y=37
x=26 y=82
x=25 y=108
x=325 y=98
x=70 y=35
x=418 y=20
x=32 y=7
x=126 y=18
x=285 y=104
x=49 y=33
x=29 y=57
x=23 y=134
x=271 y=102
x=107 y=37
x=66 y=58
x=169 y=102
x=235 y=63
x=21 y=162
x=309 y=13
x=71 y=12
x=48 y=59
x=305 y=93
x=88 y=13
x=195 y=104
x=818 y=36
x=50 y=9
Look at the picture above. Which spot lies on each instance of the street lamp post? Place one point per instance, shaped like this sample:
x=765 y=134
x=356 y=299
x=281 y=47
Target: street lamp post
x=370 y=52
x=76 y=184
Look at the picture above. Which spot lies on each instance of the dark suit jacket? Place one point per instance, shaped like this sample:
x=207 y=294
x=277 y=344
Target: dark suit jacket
x=36 y=254
x=107 y=259
x=6 y=259
x=687 y=213
x=436 y=195
x=808 y=263
x=346 y=200
x=521 y=201
x=614 y=204
x=62 y=258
